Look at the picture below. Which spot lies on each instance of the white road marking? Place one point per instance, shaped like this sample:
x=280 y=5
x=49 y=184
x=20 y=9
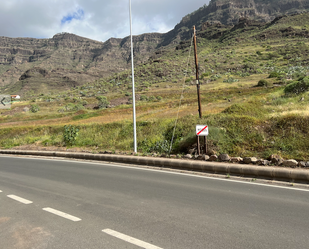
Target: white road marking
x=17 y=198
x=62 y=214
x=131 y=240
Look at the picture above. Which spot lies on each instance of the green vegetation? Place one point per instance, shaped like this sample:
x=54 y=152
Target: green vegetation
x=243 y=119
x=298 y=87
x=34 y=108
x=70 y=135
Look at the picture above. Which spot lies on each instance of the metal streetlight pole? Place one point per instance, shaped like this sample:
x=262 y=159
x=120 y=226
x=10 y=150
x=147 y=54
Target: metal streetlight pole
x=133 y=87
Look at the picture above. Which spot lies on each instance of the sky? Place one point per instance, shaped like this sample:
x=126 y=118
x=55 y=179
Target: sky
x=95 y=19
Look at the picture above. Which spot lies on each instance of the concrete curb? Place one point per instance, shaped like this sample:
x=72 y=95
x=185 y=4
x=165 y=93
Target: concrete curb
x=290 y=174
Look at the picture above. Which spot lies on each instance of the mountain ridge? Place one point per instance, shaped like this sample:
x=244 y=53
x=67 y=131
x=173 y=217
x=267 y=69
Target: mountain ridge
x=79 y=60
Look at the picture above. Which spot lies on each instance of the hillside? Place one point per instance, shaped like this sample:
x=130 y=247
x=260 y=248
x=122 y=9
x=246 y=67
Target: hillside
x=254 y=96
x=68 y=60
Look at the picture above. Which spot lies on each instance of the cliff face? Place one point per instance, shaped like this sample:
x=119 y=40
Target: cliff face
x=69 y=60
x=78 y=59
x=228 y=12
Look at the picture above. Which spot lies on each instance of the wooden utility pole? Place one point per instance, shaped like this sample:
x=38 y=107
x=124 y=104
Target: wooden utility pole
x=197 y=75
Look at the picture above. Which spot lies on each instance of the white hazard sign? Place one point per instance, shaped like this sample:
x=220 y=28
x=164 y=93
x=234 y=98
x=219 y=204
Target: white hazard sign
x=201 y=130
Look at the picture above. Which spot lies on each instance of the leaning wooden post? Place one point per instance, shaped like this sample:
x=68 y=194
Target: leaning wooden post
x=197 y=75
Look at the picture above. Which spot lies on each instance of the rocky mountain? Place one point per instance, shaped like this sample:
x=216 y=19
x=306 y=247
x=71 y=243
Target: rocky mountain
x=228 y=12
x=68 y=60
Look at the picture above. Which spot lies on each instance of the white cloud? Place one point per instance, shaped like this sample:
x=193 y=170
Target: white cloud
x=95 y=19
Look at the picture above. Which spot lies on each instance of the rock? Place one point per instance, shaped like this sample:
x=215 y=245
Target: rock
x=302 y=164
x=236 y=159
x=206 y=157
x=191 y=151
x=200 y=157
x=26 y=109
x=211 y=152
x=248 y=160
x=173 y=156
x=276 y=159
x=188 y=156
x=213 y=158
x=290 y=163
x=263 y=162
x=224 y=158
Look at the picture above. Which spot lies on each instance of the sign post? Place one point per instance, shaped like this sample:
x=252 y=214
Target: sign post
x=201 y=131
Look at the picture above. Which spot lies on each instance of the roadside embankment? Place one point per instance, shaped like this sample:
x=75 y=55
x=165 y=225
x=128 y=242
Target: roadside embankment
x=246 y=170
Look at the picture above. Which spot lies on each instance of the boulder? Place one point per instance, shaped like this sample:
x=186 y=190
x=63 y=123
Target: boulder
x=26 y=109
x=224 y=158
x=276 y=159
x=290 y=163
x=211 y=152
x=191 y=151
x=213 y=158
x=302 y=164
x=248 y=160
x=263 y=162
x=236 y=159
x=188 y=156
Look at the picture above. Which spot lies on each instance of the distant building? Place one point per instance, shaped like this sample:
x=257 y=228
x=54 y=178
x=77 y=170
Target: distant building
x=15 y=97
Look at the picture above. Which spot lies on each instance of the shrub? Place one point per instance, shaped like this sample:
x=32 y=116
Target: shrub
x=249 y=66
x=152 y=98
x=273 y=74
x=258 y=52
x=34 y=108
x=70 y=134
x=263 y=82
x=230 y=80
x=144 y=98
x=103 y=102
x=297 y=87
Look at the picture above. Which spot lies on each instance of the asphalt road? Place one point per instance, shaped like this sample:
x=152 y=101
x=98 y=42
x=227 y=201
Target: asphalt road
x=63 y=204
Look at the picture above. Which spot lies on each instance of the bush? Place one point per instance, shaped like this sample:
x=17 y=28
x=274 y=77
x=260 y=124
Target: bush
x=103 y=102
x=230 y=80
x=273 y=74
x=144 y=98
x=34 y=108
x=70 y=134
x=297 y=87
x=71 y=107
x=262 y=82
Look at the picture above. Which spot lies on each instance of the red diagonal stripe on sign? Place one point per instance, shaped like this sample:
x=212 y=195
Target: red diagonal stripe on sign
x=202 y=130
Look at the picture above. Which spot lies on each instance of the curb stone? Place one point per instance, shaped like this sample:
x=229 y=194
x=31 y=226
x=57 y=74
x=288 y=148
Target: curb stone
x=290 y=174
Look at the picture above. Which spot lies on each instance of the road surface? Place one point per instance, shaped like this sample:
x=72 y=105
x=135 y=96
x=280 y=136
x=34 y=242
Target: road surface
x=72 y=204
